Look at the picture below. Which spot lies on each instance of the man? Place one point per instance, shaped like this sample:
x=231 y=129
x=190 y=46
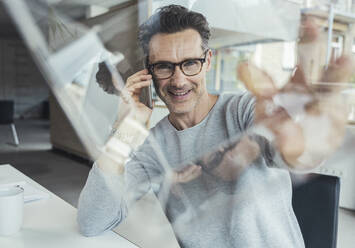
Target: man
x=212 y=201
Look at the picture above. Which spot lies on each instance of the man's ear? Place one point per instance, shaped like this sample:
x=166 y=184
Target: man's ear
x=209 y=60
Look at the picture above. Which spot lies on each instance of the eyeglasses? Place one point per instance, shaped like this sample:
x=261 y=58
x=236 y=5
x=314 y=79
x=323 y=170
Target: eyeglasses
x=165 y=70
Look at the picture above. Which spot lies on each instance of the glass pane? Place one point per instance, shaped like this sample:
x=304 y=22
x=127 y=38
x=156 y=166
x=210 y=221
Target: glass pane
x=215 y=170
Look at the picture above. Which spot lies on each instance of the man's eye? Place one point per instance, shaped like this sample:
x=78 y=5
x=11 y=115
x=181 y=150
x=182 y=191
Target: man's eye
x=163 y=66
x=192 y=62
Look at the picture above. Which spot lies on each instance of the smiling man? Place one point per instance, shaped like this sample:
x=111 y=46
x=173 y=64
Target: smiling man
x=211 y=202
x=179 y=64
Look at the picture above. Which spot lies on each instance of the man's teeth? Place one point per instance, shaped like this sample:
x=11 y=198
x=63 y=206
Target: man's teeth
x=179 y=93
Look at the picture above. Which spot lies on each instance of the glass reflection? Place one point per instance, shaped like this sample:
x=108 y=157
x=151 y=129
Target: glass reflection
x=219 y=163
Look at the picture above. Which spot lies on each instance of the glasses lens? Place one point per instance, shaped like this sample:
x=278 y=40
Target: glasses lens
x=163 y=70
x=191 y=67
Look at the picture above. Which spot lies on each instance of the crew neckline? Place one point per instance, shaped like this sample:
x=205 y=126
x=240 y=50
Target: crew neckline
x=198 y=124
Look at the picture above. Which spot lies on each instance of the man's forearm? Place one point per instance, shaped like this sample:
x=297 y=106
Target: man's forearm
x=101 y=206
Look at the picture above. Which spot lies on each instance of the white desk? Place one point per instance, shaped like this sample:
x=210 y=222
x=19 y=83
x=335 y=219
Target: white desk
x=52 y=222
x=346 y=229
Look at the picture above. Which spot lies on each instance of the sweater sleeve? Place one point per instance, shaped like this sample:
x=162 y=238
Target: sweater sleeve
x=142 y=173
x=105 y=198
x=101 y=204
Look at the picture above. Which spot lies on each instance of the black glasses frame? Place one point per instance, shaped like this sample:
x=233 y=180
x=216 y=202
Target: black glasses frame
x=202 y=61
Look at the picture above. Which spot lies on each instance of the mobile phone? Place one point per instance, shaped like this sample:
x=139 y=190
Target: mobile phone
x=147 y=92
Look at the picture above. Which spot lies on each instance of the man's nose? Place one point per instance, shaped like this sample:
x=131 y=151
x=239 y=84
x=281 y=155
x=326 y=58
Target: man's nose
x=178 y=79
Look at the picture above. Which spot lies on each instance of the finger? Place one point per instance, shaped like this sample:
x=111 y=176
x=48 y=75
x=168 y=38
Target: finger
x=310 y=41
x=266 y=108
x=339 y=71
x=335 y=78
x=274 y=121
x=256 y=80
x=194 y=173
x=289 y=139
x=298 y=77
x=139 y=85
x=309 y=30
x=137 y=79
x=188 y=174
x=249 y=148
x=298 y=83
x=135 y=90
x=186 y=171
x=141 y=72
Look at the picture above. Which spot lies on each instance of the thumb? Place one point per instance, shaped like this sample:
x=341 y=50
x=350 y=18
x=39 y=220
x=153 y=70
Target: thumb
x=256 y=80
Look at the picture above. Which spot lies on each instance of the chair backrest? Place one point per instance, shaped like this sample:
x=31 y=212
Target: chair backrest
x=6 y=111
x=316 y=205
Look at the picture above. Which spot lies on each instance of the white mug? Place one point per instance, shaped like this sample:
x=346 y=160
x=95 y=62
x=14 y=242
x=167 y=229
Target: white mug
x=11 y=210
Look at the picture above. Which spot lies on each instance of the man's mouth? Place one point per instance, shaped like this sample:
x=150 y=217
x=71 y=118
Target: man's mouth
x=179 y=95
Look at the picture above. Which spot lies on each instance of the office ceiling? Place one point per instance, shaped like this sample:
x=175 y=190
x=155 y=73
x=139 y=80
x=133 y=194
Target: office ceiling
x=102 y=3
x=73 y=8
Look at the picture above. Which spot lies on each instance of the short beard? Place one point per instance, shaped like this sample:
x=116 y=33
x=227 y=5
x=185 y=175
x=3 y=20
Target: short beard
x=156 y=87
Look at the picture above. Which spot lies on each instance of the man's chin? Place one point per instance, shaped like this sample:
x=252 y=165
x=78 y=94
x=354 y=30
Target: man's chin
x=176 y=109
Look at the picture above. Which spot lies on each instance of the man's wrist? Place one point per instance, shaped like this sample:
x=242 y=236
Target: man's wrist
x=131 y=132
x=129 y=135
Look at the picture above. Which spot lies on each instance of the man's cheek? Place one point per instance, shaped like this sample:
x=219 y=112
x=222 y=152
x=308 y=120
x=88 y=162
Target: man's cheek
x=159 y=87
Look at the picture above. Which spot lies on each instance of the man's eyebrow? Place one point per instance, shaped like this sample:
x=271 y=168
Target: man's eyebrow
x=162 y=61
x=166 y=61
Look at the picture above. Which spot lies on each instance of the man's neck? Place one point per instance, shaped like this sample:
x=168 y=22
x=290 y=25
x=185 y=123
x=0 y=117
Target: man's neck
x=187 y=120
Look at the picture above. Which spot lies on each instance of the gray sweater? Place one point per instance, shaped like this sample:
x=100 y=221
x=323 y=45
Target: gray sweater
x=253 y=211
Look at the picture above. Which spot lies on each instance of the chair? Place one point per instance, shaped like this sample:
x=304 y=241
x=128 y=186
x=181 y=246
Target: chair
x=316 y=205
x=7 y=117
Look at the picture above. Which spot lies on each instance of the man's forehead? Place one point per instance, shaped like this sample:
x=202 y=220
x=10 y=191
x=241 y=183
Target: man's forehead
x=175 y=47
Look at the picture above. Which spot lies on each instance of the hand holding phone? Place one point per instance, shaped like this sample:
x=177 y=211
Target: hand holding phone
x=134 y=86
